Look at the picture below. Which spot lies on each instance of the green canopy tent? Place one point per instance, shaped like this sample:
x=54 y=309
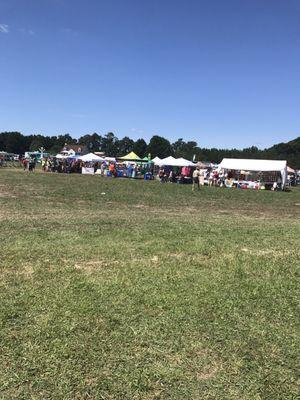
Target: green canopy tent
x=146 y=160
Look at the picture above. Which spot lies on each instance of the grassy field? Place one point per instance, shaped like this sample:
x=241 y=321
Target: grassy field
x=147 y=291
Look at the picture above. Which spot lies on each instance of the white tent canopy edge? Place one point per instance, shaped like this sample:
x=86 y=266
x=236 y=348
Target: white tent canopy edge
x=91 y=157
x=173 y=162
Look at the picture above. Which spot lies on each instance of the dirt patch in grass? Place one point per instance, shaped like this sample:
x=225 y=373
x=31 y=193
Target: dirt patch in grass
x=25 y=271
x=208 y=372
x=5 y=193
x=275 y=253
x=90 y=267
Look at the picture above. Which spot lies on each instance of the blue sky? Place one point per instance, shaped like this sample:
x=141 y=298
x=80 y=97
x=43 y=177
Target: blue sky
x=223 y=73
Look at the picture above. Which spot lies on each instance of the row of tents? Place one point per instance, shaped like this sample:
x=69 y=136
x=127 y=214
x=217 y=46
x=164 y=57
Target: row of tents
x=132 y=157
x=254 y=165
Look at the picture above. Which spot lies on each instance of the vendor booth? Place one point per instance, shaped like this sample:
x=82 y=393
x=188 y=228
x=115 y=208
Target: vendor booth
x=270 y=173
x=90 y=163
x=132 y=166
x=173 y=169
x=291 y=176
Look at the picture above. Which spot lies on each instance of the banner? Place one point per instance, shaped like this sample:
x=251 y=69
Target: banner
x=87 y=170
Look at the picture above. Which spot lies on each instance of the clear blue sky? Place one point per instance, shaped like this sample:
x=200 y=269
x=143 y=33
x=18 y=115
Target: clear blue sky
x=223 y=73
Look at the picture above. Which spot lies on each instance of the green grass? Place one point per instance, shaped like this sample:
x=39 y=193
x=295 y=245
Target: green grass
x=147 y=291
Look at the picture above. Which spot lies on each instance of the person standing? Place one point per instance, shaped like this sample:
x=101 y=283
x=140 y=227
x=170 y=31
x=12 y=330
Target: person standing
x=32 y=164
x=134 y=172
x=210 y=178
x=201 y=178
x=112 y=170
x=196 y=179
x=129 y=170
x=102 y=168
x=25 y=164
x=43 y=162
x=161 y=174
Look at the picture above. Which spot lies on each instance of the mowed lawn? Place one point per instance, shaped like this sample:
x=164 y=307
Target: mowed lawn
x=122 y=289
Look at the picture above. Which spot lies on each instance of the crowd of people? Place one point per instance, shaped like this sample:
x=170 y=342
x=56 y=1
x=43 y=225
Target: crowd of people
x=195 y=175
x=214 y=177
x=210 y=176
x=104 y=168
x=29 y=164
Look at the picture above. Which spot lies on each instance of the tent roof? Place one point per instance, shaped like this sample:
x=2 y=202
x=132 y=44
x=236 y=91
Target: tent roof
x=156 y=160
x=253 y=164
x=131 y=156
x=173 y=162
x=91 y=157
x=182 y=162
x=167 y=160
x=109 y=159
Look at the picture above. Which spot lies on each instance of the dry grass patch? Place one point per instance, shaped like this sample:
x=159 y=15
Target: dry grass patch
x=208 y=372
x=5 y=192
x=25 y=270
x=93 y=266
x=273 y=253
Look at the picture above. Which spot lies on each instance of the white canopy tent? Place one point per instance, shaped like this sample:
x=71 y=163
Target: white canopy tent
x=91 y=157
x=290 y=170
x=156 y=160
x=173 y=162
x=256 y=166
x=167 y=161
x=182 y=162
x=109 y=159
x=64 y=157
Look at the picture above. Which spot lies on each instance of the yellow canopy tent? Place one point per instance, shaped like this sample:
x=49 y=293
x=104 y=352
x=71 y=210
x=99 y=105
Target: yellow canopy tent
x=131 y=157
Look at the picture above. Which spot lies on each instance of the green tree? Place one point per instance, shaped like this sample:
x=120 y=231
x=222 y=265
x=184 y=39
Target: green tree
x=125 y=146
x=13 y=142
x=93 y=142
x=109 y=144
x=178 y=147
x=185 y=149
x=160 y=147
x=37 y=142
x=140 y=148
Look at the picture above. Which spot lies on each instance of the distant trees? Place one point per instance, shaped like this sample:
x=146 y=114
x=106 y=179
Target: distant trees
x=35 y=145
x=159 y=147
x=15 y=142
x=92 y=142
x=140 y=148
x=185 y=149
x=109 y=144
x=125 y=146
x=286 y=151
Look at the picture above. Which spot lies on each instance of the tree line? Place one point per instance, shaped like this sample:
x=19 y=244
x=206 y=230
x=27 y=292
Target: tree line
x=16 y=142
